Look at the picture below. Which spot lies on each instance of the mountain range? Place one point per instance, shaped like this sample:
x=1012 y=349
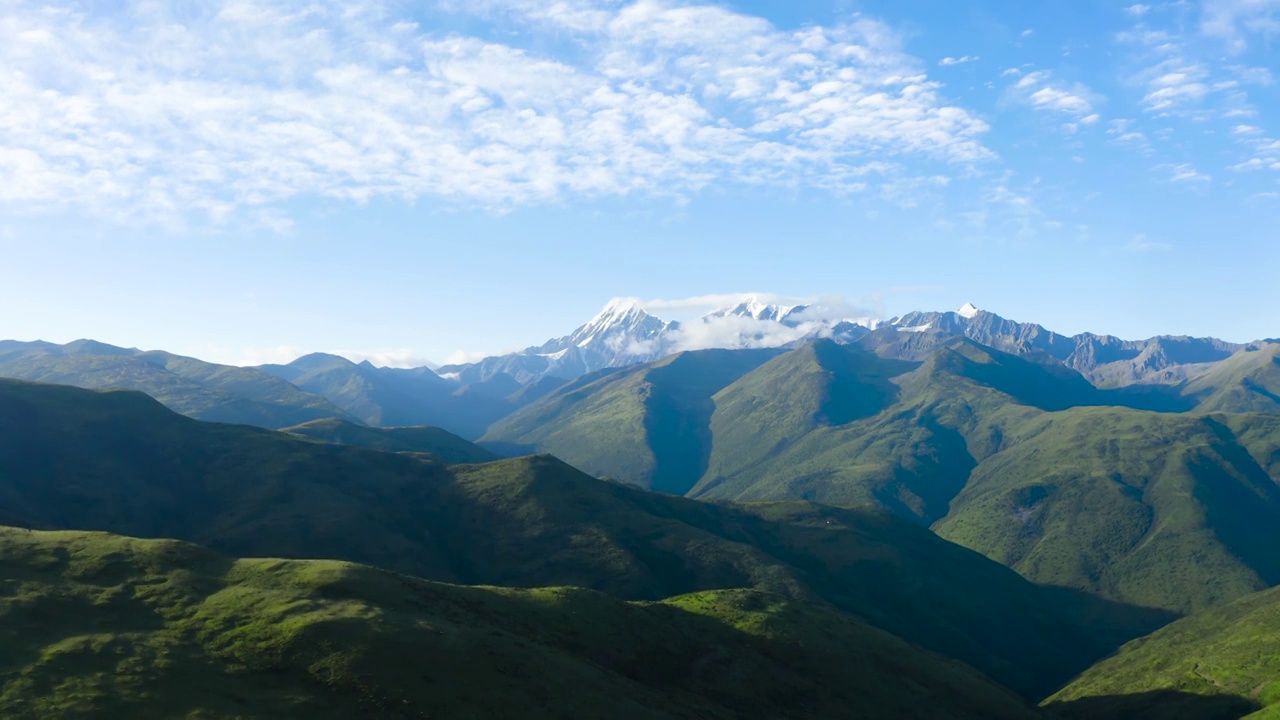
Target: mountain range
x=990 y=503
x=468 y=399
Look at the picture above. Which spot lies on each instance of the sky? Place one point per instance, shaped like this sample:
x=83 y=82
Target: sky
x=435 y=180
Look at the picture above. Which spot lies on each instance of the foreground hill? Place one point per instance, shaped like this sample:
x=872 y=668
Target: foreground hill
x=99 y=626
x=436 y=442
x=121 y=463
x=205 y=391
x=1224 y=660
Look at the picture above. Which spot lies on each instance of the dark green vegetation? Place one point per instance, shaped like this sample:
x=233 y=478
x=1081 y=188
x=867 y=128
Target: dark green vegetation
x=99 y=626
x=217 y=393
x=1135 y=493
x=439 y=444
x=119 y=462
x=1228 y=657
x=649 y=425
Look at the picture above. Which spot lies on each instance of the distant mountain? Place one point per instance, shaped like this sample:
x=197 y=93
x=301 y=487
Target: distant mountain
x=219 y=393
x=393 y=397
x=1104 y=360
x=122 y=628
x=624 y=334
x=119 y=462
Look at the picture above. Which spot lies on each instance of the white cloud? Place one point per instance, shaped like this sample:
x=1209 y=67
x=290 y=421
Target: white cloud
x=1235 y=21
x=1138 y=9
x=958 y=61
x=466 y=357
x=1185 y=173
x=733 y=331
x=1143 y=244
x=235 y=107
x=1175 y=84
x=1040 y=91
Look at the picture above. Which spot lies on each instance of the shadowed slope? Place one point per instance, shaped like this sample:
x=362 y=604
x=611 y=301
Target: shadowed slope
x=440 y=444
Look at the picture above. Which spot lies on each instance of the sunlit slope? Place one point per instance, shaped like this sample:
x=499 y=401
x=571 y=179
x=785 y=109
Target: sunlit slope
x=1024 y=462
x=1224 y=658
x=100 y=626
x=648 y=425
x=1248 y=381
x=1166 y=511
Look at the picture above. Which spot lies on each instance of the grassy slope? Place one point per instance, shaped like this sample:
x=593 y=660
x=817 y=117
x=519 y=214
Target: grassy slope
x=1230 y=652
x=649 y=425
x=440 y=444
x=99 y=626
x=1160 y=509
x=1248 y=381
x=119 y=462
x=216 y=393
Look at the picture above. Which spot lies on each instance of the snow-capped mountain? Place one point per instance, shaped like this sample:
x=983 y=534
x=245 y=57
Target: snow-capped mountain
x=753 y=307
x=623 y=334
x=1103 y=359
x=621 y=331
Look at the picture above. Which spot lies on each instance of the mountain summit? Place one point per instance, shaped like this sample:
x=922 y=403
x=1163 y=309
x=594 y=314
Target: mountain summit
x=624 y=334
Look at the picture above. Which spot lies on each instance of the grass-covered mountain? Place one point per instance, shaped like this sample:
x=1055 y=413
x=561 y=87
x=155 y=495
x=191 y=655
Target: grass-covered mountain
x=650 y=424
x=218 y=393
x=1224 y=660
x=119 y=462
x=100 y=626
x=1131 y=492
x=436 y=442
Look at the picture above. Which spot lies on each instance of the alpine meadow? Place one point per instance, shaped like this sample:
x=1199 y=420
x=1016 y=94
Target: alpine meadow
x=639 y=359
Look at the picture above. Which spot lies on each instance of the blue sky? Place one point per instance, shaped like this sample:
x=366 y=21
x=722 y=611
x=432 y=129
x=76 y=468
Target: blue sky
x=247 y=181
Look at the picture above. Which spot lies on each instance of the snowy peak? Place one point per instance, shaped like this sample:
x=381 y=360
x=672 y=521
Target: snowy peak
x=622 y=331
x=969 y=311
x=755 y=308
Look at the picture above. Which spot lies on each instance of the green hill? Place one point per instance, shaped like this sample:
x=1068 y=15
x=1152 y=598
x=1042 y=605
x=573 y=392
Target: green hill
x=119 y=462
x=1167 y=511
x=648 y=425
x=1023 y=461
x=436 y=442
x=216 y=393
x=100 y=626
x=1248 y=381
x=1225 y=659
